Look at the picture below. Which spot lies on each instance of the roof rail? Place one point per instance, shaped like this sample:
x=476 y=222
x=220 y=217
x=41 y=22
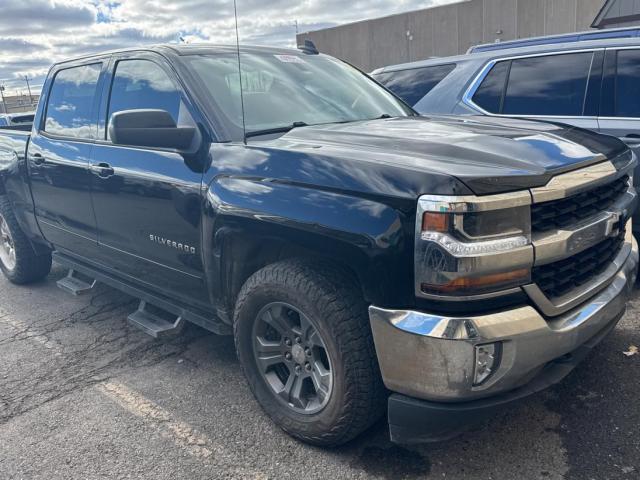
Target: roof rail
x=627 y=32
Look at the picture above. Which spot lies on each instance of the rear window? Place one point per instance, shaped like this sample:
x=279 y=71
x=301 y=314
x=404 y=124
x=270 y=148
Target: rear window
x=627 y=86
x=22 y=119
x=413 y=85
x=70 y=103
x=552 y=85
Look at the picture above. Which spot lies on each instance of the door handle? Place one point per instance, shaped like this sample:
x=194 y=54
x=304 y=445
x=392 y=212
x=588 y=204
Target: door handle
x=38 y=159
x=103 y=170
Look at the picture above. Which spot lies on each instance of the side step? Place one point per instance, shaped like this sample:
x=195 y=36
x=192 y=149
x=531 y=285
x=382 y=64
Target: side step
x=155 y=321
x=76 y=283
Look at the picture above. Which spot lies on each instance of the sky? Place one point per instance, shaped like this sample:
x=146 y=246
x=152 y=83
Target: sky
x=36 y=33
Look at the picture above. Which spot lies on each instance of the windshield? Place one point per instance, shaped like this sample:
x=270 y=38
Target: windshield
x=281 y=91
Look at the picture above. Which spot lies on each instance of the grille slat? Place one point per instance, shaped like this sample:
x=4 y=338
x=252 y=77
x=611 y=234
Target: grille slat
x=559 y=278
x=562 y=213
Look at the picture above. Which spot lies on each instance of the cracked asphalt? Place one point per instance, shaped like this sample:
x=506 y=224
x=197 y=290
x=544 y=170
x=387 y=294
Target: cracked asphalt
x=83 y=395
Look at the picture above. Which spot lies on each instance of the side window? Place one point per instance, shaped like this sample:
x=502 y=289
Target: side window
x=627 y=87
x=412 y=85
x=489 y=94
x=70 y=102
x=553 y=85
x=143 y=84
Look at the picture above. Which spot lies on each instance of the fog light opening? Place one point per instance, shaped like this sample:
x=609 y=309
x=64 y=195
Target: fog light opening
x=487 y=362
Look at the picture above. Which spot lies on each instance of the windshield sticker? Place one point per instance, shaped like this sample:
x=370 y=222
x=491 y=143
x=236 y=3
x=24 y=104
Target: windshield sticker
x=289 y=59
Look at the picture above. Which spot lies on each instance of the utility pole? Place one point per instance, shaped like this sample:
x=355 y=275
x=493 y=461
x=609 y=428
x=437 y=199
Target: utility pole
x=296 y=25
x=26 y=79
x=4 y=103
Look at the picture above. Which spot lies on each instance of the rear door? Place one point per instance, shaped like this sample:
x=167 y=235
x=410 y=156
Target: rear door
x=620 y=108
x=559 y=87
x=59 y=155
x=147 y=201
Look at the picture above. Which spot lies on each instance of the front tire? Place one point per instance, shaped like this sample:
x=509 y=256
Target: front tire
x=303 y=338
x=18 y=260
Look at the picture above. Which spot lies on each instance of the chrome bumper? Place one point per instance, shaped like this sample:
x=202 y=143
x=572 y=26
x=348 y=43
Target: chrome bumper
x=433 y=357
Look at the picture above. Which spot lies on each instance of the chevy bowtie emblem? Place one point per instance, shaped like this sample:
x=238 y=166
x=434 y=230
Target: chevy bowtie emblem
x=183 y=247
x=613 y=225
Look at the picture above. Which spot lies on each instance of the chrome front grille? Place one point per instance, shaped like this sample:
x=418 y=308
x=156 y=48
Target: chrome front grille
x=559 y=278
x=568 y=211
x=581 y=233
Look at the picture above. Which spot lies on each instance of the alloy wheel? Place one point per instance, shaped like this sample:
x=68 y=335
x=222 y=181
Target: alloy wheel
x=7 y=246
x=292 y=358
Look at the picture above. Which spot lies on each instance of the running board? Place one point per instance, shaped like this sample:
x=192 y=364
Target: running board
x=76 y=285
x=155 y=321
x=212 y=321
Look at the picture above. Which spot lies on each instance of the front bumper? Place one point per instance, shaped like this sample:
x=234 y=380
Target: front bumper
x=430 y=359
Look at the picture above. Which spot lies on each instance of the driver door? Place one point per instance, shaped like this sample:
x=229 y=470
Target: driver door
x=147 y=201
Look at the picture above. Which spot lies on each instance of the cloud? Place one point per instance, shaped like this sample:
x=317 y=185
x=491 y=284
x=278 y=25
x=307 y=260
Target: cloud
x=36 y=33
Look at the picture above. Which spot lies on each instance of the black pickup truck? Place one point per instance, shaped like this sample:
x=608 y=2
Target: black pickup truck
x=364 y=258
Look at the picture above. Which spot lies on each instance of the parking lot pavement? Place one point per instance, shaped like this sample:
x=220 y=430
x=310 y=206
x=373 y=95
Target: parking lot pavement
x=83 y=395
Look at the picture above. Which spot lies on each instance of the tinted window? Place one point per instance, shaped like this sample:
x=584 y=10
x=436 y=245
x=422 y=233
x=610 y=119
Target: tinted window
x=412 y=85
x=143 y=84
x=552 y=85
x=70 y=104
x=627 y=87
x=489 y=95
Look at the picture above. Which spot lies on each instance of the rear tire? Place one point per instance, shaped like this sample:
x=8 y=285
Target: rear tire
x=320 y=299
x=18 y=260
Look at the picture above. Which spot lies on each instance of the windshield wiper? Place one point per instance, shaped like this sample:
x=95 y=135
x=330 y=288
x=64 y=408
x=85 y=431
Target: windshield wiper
x=269 y=131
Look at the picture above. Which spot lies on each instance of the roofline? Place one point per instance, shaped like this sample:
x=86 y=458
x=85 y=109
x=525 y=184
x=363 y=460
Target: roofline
x=356 y=22
x=605 y=8
x=558 y=35
x=175 y=48
x=515 y=51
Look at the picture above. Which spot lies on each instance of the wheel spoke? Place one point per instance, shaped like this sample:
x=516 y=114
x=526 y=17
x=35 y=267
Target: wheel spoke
x=268 y=347
x=276 y=320
x=267 y=353
x=295 y=396
x=306 y=329
x=315 y=340
x=321 y=378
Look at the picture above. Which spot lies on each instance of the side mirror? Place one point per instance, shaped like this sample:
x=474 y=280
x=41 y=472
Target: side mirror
x=150 y=128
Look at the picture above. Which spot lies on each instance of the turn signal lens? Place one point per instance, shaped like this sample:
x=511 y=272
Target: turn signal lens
x=435 y=222
x=479 y=284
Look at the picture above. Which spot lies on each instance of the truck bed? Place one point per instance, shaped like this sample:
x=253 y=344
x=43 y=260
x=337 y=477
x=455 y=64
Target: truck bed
x=13 y=145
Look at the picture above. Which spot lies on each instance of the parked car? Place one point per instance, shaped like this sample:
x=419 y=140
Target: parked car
x=589 y=84
x=24 y=120
x=346 y=242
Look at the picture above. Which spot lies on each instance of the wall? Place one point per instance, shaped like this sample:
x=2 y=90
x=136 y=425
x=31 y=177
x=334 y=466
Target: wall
x=450 y=29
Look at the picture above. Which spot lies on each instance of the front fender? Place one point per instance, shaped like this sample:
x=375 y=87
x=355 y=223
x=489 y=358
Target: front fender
x=250 y=223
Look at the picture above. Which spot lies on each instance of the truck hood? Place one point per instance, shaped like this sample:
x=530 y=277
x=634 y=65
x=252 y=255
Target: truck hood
x=487 y=154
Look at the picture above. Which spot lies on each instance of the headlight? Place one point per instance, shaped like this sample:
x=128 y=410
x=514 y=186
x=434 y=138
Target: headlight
x=469 y=246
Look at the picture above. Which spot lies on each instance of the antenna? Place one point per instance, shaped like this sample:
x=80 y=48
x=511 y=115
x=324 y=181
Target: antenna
x=244 y=126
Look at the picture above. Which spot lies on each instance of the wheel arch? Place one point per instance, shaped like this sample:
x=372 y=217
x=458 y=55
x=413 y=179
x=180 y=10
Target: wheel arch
x=242 y=234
